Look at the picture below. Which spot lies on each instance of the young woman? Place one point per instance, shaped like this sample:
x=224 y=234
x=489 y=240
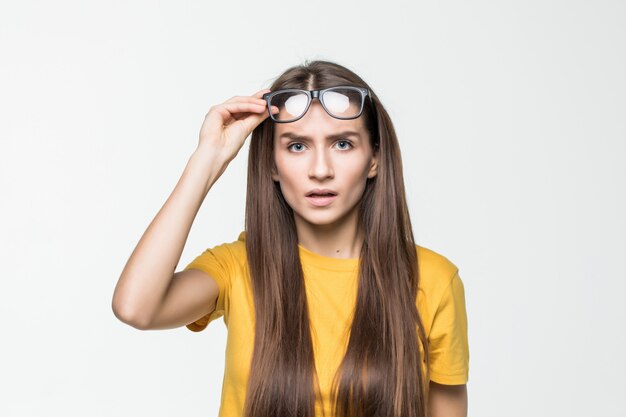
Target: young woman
x=331 y=307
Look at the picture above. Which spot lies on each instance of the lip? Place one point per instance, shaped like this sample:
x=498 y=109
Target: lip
x=321 y=191
x=321 y=201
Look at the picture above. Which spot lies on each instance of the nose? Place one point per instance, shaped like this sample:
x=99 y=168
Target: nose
x=321 y=166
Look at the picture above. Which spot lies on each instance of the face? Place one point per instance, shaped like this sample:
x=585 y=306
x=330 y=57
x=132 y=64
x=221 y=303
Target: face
x=320 y=151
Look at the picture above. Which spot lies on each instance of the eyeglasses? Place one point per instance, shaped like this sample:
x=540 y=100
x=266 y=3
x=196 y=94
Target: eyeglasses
x=341 y=102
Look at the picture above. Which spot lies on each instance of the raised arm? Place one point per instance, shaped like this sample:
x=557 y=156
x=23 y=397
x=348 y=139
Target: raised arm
x=148 y=294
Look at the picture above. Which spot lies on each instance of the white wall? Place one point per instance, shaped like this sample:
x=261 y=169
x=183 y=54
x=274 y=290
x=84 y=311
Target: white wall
x=511 y=122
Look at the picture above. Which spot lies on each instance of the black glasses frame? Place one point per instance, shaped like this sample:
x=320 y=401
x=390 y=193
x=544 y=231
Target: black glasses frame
x=319 y=94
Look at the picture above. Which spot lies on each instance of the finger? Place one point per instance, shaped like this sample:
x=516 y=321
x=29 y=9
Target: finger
x=247 y=99
x=238 y=107
x=259 y=115
x=260 y=93
x=255 y=119
x=251 y=122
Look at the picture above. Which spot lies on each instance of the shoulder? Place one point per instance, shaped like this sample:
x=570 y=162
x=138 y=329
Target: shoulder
x=234 y=250
x=239 y=246
x=227 y=255
x=434 y=262
x=236 y=247
x=435 y=273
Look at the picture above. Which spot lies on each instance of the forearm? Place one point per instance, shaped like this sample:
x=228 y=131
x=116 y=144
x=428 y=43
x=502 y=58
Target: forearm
x=447 y=400
x=149 y=270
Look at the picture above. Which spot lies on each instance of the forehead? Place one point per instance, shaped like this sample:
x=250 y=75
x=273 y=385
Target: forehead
x=316 y=123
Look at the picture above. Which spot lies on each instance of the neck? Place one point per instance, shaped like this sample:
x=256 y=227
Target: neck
x=338 y=240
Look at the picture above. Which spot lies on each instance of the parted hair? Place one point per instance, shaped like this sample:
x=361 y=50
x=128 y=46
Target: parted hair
x=380 y=374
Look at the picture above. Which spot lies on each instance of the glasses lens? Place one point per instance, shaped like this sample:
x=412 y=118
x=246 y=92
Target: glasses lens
x=291 y=105
x=343 y=102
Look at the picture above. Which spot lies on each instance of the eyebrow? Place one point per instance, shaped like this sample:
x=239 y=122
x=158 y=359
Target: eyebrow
x=293 y=135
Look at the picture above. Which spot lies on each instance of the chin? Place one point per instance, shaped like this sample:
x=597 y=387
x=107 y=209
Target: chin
x=321 y=217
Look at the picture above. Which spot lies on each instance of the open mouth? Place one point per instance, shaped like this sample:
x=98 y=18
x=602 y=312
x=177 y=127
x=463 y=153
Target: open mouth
x=321 y=199
x=321 y=192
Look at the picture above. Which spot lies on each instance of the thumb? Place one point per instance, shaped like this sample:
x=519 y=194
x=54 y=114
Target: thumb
x=252 y=121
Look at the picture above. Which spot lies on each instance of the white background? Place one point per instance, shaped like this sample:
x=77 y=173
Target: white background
x=511 y=120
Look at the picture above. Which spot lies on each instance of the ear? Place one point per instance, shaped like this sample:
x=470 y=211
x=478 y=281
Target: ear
x=274 y=173
x=373 y=166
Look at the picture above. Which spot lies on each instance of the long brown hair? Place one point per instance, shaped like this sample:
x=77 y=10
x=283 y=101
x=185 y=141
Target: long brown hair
x=381 y=373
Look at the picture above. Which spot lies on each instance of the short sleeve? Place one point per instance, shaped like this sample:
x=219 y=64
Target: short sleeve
x=448 y=342
x=219 y=263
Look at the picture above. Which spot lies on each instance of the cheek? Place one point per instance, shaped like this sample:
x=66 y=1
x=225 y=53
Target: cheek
x=290 y=174
x=356 y=178
x=357 y=169
x=357 y=182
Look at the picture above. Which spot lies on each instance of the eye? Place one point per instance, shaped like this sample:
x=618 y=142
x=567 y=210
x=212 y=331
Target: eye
x=347 y=142
x=294 y=144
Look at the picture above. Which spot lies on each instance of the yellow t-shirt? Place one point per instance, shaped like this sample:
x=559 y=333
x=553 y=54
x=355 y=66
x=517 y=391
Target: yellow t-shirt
x=331 y=289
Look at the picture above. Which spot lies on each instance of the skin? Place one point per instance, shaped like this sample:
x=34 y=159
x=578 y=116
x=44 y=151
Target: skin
x=146 y=297
x=447 y=400
x=342 y=164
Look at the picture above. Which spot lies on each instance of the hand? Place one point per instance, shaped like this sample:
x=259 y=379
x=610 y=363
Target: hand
x=227 y=125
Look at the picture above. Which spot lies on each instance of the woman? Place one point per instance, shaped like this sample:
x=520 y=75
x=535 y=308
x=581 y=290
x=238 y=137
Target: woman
x=328 y=310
